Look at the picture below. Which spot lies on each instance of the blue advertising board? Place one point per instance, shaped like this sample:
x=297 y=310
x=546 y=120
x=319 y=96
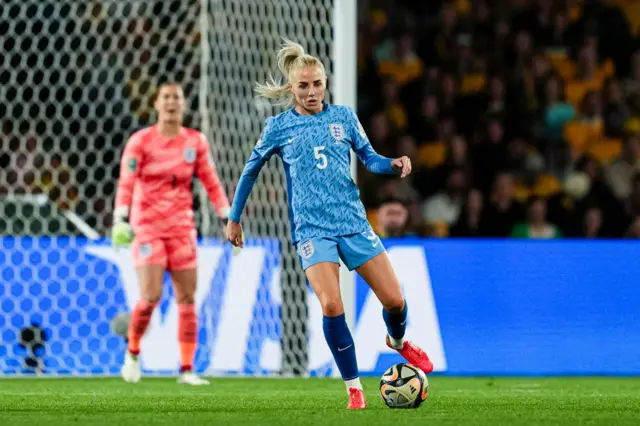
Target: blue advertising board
x=523 y=307
x=71 y=289
x=479 y=307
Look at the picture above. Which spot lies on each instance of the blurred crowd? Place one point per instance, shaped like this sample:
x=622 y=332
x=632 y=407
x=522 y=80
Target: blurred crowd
x=521 y=117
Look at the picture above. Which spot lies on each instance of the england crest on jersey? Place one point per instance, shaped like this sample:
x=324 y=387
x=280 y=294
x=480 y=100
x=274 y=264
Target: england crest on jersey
x=306 y=249
x=337 y=131
x=189 y=155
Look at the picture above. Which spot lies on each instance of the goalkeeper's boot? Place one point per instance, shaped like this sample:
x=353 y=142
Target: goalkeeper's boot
x=191 y=378
x=412 y=353
x=356 y=399
x=131 y=369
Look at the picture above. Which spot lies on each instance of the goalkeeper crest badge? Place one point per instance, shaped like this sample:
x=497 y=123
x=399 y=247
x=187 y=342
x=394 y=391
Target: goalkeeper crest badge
x=337 y=131
x=132 y=164
x=306 y=249
x=145 y=250
x=189 y=155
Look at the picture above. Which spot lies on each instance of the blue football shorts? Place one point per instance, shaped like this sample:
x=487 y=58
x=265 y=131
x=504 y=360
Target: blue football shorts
x=354 y=250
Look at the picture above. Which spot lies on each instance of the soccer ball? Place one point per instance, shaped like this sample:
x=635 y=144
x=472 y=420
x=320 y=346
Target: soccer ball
x=120 y=324
x=404 y=386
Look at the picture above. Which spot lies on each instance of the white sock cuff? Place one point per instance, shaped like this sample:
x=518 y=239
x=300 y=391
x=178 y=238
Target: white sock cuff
x=396 y=343
x=353 y=383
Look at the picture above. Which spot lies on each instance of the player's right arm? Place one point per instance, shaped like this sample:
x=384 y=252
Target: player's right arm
x=122 y=233
x=373 y=161
x=263 y=150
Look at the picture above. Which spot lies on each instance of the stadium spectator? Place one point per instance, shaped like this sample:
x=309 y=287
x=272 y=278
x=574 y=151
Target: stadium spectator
x=489 y=156
x=424 y=126
x=536 y=226
x=393 y=218
x=503 y=211
x=469 y=222
x=556 y=111
x=380 y=133
x=445 y=206
x=616 y=111
x=592 y=223
x=620 y=172
x=400 y=62
x=394 y=109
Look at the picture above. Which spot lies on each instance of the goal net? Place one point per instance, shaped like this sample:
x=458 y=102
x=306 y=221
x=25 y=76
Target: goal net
x=78 y=79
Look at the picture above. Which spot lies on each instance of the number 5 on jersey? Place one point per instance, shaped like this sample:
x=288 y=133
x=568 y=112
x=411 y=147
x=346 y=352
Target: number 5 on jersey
x=320 y=156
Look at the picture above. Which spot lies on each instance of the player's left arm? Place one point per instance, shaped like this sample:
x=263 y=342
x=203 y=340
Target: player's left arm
x=373 y=161
x=206 y=172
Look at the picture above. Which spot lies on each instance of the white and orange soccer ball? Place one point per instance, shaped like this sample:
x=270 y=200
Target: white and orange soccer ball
x=404 y=386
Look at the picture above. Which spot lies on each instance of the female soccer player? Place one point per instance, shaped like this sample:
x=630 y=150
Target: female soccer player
x=328 y=220
x=154 y=191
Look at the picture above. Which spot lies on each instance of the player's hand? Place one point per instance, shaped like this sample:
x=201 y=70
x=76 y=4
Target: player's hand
x=402 y=166
x=235 y=234
x=122 y=234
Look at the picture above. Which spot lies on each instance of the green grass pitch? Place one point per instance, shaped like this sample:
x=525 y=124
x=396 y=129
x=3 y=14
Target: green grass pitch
x=292 y=402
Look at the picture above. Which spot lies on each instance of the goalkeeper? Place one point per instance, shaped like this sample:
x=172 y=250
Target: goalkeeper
x=154 y=213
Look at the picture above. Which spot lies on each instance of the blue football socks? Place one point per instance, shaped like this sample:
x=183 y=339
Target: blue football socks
x=339 y=339
x=396 y=324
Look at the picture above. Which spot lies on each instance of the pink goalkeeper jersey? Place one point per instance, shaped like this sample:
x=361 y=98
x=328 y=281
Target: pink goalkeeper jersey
x=154 y=189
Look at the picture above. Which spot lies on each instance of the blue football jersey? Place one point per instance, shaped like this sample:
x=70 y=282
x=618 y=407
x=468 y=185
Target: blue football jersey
x=315 y=151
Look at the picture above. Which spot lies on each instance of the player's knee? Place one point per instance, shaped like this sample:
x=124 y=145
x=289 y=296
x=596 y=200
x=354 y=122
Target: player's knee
x=332 y=307
x=151 y=295
x=394 y=304
x=185 y=299
x=151 y=298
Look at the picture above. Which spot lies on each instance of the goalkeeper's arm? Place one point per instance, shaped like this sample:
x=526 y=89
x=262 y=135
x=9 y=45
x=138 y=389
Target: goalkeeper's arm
x=122 y=232
x=206 y=172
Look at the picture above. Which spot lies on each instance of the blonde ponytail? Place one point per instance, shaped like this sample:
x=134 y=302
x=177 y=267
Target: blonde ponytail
x=287 y=55
x=290 y=56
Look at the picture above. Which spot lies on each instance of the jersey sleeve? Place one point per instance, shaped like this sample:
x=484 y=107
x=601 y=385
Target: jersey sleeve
x=373 y=161
x=130 y=164
x=206 y=172
x=355 y=130
x=264 y=149
x=267 y=143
